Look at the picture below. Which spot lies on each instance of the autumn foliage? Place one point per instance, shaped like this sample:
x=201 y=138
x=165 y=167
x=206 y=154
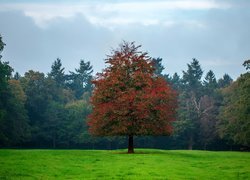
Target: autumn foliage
x=129 y=99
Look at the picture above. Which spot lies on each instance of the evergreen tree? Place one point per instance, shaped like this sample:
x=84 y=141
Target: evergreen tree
x=192 y=77
x=246 y=64
x=189 y=111
x=2 y=44
x=210 y=83
x=225 y=81
x=80 y=80
x=57 y=73
x=176 y=82
x=54 y=128
x=17 y=76
x=157 y=63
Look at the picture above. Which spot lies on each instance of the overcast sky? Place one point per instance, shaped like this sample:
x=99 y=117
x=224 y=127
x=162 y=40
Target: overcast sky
x=216 y=32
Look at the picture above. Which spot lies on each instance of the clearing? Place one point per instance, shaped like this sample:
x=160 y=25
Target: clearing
x=116 y=164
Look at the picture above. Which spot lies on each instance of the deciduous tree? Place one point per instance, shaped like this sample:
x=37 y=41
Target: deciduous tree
x=234 y=121
x=130 y=99
x=14 y=127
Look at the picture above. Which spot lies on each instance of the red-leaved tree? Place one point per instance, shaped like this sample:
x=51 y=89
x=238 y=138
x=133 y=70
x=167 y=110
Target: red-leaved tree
x=129 y=99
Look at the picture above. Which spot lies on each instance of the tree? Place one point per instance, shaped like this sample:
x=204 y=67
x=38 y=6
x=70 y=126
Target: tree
x=5 y=73
x=14 y=127
x=2 y=44
x=17 y=76
x=57 y=73
x=157 y=63
x=210 y=83
x=17 y=126
x=208 y=119
x=130 y=99
x=246 y=64
x=38 y=94
x=225 y=81
x=189 y=111
x=76 y=125
x=192 y=77
x=234 y=124
x=55 y=123
x=80 y=80
x=175 y=81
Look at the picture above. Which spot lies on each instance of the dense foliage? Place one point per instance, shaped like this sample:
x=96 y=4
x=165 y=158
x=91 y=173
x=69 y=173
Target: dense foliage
x=130 y=99
x=50 y=110
x=235 y=115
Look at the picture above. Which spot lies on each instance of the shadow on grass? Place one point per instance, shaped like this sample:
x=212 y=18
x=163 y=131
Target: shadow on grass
x=141 y=151
x=173 y=153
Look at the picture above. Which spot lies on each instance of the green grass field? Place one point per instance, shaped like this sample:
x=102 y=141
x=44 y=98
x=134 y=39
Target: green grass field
x=102 y=164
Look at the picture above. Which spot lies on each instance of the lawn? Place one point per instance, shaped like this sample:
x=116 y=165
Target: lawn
x=116 y=164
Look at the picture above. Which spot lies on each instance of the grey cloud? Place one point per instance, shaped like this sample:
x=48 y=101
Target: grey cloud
x=30 y=47
x=224 y=40
x=221 y=45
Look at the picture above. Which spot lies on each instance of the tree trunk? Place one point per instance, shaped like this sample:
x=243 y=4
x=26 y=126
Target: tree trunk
x=205 y=146
x=130 y=144
x=190 y=143
x=54 y=142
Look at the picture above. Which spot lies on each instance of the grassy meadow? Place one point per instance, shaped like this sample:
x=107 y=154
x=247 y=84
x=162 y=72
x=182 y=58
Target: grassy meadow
x=116 y=164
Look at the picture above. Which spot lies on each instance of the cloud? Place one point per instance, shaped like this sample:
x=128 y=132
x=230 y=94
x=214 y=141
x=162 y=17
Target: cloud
x=111 y=15
x=214 y=32
x=30 y=47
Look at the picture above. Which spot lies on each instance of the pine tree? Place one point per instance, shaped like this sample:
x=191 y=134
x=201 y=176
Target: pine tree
x=80 y=80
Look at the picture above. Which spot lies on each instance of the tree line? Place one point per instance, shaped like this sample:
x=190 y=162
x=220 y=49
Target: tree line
x=51 y=110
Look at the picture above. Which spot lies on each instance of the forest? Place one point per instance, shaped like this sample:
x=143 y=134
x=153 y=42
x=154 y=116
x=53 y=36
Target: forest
x=39 y=110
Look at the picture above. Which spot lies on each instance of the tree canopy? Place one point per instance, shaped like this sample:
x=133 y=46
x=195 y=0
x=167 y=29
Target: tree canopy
x=234 y=121
x=129 y=98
